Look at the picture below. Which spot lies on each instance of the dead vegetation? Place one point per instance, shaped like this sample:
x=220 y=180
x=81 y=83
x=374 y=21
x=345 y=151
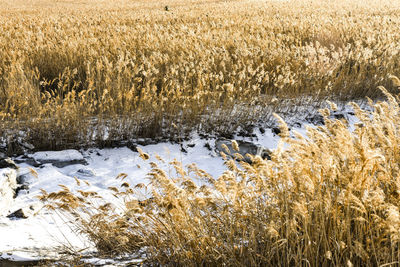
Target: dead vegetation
x=329 y=199
x=78 y=73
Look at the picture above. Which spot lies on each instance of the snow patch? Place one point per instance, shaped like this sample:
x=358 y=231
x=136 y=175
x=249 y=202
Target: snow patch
x=70 y=154
x=8 y=184
x=59 y=158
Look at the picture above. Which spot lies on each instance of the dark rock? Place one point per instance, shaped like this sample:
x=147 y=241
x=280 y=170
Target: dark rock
x=244 y=149
x=247 y=131
x=338 y=116
x=276 y=130
x=246 y=134
x=203 y=135
x=208 y=146
x=132 y=146
x=22 y=179
x=183 y=149
x=191 y=145
x=109 y=143
x=23 y=213
x=266 y=154
x=141 y=141
x=249 y=128
x=8 y=163
x=15 y=148
x=20 y=188
x=62 y=164
x=25 y=178
x=145 y=141
x=86 y=172
x=262 y=130
x=317 y=119
x=18 y=214
x=27 y=160
x=227 y=135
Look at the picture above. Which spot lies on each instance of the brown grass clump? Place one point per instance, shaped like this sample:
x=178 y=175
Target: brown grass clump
x=91 y=72
x=331 y=198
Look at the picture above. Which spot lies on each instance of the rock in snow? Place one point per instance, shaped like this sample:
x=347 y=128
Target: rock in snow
x=7 y=163
x=22 y=213
x=8 y=185
x=244 y=148
x=85 y=172
x=18 y=214
x=59 y=159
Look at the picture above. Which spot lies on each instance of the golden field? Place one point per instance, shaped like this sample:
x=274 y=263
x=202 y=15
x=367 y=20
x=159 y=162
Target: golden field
x=81 y=73
x=75 y=73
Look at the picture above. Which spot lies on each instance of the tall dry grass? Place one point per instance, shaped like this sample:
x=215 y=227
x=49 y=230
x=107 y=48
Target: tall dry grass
x=81 y=73
x=329 y=199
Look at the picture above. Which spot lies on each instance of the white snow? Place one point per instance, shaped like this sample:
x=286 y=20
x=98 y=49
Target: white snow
x=70 y=155
x=45 y=234
x=8 y=183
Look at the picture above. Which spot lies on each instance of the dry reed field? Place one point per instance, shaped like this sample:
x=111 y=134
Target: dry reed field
x=78 y=73
x=331 y=199
x=95 y=73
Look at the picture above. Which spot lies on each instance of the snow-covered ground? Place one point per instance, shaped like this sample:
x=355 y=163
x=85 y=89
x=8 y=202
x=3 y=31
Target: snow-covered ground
x=44 y=233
